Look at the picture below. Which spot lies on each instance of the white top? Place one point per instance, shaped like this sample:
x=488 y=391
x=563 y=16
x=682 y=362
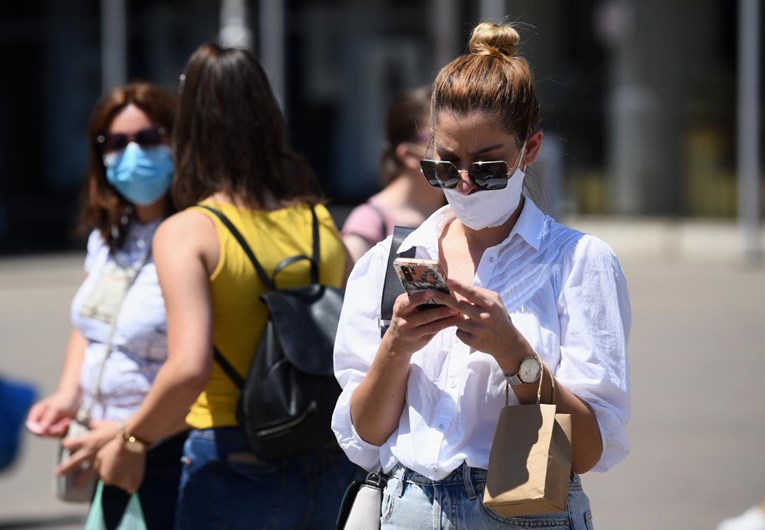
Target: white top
x=139 y=343
x=565 y=292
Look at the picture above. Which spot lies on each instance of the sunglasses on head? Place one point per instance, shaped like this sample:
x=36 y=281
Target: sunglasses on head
x=488 y=175
x=149 y=137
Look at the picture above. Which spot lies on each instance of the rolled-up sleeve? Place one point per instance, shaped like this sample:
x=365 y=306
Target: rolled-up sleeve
x=356 y=343
x=595 y=318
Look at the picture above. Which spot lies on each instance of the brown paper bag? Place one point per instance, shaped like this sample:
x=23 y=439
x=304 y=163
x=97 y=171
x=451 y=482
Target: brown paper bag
x=530 y=461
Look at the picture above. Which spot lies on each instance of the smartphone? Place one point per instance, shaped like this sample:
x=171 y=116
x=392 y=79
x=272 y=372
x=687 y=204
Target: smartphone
x=417 y=275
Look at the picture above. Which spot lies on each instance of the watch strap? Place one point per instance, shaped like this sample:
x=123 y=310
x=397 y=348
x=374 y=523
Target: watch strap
x=513 y=379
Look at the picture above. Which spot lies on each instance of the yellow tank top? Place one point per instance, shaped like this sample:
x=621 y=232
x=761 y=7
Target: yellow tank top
x=239 y=317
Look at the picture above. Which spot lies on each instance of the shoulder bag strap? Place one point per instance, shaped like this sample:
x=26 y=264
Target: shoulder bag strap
x=392 y=287
x=381 y=215
x=83 y=414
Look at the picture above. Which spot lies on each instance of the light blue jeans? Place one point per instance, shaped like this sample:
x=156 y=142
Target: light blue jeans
x=414 y=502
x=223 y=486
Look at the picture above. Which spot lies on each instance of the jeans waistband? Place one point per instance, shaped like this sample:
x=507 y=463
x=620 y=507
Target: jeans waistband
x=471 y=477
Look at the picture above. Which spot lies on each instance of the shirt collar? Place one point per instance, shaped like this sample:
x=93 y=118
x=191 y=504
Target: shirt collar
x=530 y=226
x=426 y=236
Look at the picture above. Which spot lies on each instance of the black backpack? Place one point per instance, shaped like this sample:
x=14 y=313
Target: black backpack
x=286 y=403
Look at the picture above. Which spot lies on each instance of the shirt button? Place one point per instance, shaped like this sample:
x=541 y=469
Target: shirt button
x=434 y=468
x=453 y=384
x=440 y=426
x=491 y=260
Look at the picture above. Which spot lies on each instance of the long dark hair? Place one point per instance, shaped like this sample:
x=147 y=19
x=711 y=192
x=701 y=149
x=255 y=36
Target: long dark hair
x=230 y=135
x=104 y=207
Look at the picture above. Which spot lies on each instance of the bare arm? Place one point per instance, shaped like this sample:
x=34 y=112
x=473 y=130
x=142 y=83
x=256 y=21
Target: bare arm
x=185 y=250
x=356 y=246
x=587 y=444
x=377 y=403
x=183 y=275
x=349 y=262
x=50 y=416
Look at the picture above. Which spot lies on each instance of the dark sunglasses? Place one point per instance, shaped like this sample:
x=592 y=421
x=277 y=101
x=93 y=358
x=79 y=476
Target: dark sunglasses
x=489 y=175
x=149 y=137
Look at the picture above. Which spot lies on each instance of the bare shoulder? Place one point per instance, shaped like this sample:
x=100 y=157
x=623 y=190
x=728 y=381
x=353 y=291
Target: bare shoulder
x=188 y=227
x=189 y=233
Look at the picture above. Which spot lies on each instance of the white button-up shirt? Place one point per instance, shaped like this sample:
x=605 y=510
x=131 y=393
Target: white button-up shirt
x=566 y=294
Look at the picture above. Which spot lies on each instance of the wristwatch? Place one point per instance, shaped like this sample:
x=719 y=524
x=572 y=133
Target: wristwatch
x=528 y=373
x=131 y=443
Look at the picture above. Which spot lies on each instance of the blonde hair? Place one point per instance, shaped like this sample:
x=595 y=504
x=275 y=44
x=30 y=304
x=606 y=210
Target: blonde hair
x=490 y=78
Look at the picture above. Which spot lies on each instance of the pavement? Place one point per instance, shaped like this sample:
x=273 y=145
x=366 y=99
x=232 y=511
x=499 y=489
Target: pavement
x=696 y=354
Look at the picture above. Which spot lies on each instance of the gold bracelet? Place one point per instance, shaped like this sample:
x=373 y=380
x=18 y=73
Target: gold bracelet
x=131 y=443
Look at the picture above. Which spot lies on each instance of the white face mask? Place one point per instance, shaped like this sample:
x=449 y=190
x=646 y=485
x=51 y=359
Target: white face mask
x=487 y=208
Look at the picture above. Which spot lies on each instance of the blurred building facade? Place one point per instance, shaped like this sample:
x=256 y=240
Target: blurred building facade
x=638 y=96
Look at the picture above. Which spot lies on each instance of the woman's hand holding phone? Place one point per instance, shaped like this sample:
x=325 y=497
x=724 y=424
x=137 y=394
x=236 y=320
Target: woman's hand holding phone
x=425 y=285
x=485 y=325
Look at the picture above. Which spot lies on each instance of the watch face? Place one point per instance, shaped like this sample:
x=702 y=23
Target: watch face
x=530 y=370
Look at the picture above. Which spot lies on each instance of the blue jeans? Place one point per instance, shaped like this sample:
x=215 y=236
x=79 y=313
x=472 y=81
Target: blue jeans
x=412 y=501
x=224 y=486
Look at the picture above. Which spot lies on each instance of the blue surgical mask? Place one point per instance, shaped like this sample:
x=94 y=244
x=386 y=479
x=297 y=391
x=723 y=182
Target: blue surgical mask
x=140 y=175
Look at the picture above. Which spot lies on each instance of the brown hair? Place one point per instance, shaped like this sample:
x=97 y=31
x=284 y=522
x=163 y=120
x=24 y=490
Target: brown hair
x=231 y=136
x=406 y=120
x=490 y=78
x=105 y=209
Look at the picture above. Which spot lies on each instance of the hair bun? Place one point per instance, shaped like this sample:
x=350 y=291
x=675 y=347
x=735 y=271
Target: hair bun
x=489 y=38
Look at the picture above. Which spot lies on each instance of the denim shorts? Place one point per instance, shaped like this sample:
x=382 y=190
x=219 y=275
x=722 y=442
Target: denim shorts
x=414 y=502
x=224 y=486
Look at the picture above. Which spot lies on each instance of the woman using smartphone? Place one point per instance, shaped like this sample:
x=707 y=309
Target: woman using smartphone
x=529 y=298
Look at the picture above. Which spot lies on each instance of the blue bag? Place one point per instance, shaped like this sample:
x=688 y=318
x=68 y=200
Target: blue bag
x=15 y=400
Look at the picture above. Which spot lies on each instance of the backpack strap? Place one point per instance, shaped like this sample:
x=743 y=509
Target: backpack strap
x=392 y=287
x=247 y=250
x=228 y=368
x=315 y=259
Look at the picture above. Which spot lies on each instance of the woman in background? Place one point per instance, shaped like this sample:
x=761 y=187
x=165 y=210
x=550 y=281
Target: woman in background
x=406 y=199
x=128 y=184
x=232 y=154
